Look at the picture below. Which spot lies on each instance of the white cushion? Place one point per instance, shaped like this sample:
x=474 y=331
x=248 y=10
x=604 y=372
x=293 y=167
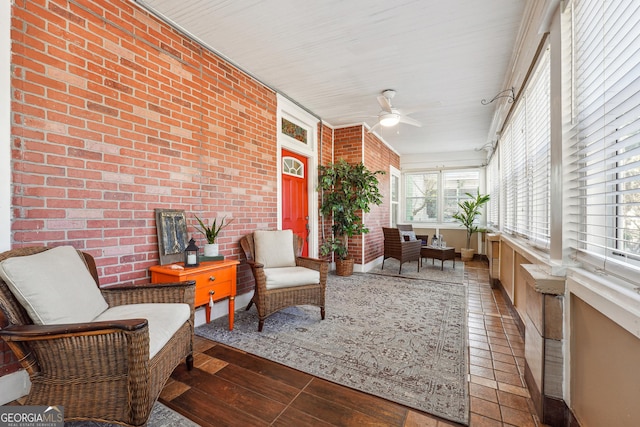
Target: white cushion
x=164 y=320
x=54 y=286
x=408 y=235
x=274 y=248
x=286 y=277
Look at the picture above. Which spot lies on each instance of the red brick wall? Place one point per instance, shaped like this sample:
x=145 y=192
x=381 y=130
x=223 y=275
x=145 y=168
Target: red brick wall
x=115 y=114
x=348 y=144
x=377 y=156
x=326 y=157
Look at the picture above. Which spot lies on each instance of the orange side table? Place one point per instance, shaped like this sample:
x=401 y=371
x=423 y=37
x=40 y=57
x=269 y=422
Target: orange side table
x=215 y=280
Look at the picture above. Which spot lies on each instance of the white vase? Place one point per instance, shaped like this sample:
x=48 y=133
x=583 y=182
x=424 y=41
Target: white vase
x=211 y=249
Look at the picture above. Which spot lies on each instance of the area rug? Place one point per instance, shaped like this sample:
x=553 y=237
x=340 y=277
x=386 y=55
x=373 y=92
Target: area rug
x=430 y=270
x=401 y=339
x=161 y=416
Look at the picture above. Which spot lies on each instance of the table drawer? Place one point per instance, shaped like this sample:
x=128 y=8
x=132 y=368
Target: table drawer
x=221 y=290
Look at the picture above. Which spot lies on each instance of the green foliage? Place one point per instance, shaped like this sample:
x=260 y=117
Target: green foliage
x=334 y=245
x=348 y=190
x=211 y=233
x=470 y=210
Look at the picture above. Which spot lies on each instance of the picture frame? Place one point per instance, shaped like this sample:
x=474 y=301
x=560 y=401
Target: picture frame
x=171 y=226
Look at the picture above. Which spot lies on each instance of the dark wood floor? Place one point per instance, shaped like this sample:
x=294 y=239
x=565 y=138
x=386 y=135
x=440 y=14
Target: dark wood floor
x=228 y=387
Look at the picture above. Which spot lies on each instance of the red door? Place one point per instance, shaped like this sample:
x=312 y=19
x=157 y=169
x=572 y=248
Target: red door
x=295 y=203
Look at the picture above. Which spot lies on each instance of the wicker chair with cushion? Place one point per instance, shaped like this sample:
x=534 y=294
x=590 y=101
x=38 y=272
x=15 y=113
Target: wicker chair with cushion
x=403 y=250
x=283 y=277
x=103 y=353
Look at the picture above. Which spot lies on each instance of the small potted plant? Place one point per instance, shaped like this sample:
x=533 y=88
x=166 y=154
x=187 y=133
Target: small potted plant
x=347 y=191
x=469 y=211
x=211 y=234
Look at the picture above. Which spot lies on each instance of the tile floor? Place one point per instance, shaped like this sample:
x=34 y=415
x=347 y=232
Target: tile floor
x=499 y=396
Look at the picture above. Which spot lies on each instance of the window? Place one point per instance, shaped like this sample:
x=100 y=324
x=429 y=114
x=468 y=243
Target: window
x=294 y=131
x=292 y=166
x=421 y=197
x=455 y=186
x=605 y=148
x=433 y=196
x=493 y=178
x=395 y=195
x=525 y=165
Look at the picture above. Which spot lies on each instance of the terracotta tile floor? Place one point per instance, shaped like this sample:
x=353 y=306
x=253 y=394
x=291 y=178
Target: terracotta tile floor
x=498 y=395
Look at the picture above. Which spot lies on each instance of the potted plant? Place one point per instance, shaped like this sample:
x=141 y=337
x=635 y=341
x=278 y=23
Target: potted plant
x=347 y=190
x=469 y=211
x=211 y=234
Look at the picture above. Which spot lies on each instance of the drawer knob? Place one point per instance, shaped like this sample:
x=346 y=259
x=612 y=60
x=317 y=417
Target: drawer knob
x=212 y=278
x=212 y=292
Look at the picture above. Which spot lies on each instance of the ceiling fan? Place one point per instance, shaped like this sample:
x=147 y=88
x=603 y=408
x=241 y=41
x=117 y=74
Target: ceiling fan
x=390 y=116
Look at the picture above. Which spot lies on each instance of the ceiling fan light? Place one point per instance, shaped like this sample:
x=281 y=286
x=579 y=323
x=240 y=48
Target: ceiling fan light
x=389 y=119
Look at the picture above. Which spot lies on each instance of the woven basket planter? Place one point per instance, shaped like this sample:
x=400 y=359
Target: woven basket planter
x=344 y=267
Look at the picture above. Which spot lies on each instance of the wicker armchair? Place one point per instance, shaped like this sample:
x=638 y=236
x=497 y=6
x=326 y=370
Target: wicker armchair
x=99 y=370
x=295 y=281
x=403 y=250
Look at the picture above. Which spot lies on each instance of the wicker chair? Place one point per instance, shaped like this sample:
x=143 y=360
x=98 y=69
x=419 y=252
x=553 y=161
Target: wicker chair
x=301 y=281
x=100 y=370
x=403 y=250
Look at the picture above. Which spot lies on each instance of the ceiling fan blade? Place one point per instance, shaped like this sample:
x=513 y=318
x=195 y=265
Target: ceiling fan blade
x=385 y=103
x=410 y=121
x=374 y=127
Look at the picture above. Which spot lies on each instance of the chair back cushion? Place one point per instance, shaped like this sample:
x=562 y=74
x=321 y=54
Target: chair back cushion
x=408 y=235
x=274 y=248
x=54 y=286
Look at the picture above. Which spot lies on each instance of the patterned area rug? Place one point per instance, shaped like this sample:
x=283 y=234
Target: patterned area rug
x=430 y=270
x=161 y=416
x=401 y=339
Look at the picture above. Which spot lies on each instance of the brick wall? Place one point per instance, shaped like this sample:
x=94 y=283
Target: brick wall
x=378 y=156
x=115 y=114
x=326 y=157
x=347 y=145
x=355 y=144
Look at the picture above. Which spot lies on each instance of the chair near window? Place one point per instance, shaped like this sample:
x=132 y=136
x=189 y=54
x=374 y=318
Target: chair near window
x=395 y=246
x=104 y=354
x=283 y=277
x=407 y=232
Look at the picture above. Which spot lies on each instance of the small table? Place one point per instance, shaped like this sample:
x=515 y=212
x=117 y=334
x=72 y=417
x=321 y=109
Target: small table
x=442 y=254
x=215 y=280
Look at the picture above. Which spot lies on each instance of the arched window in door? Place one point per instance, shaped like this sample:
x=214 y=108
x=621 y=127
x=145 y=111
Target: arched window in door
x=292 y=166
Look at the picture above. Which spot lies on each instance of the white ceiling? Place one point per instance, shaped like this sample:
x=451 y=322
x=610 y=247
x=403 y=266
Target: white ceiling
x=334 y=57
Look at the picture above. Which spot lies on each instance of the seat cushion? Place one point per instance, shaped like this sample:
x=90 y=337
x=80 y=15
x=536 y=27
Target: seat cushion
x=274 y=248
x=164 y=320
x=286 y=277
x=54 y=286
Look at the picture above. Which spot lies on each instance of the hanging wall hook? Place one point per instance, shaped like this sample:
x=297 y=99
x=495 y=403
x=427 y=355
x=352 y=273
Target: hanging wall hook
x=507 y=93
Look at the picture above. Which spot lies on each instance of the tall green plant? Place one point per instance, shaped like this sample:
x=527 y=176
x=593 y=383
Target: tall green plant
x=348 y=190
x=470 y=210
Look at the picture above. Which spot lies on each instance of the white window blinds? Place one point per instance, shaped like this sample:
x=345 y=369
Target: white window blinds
x=493 y=180
x=524 y=150
x=606 y=146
